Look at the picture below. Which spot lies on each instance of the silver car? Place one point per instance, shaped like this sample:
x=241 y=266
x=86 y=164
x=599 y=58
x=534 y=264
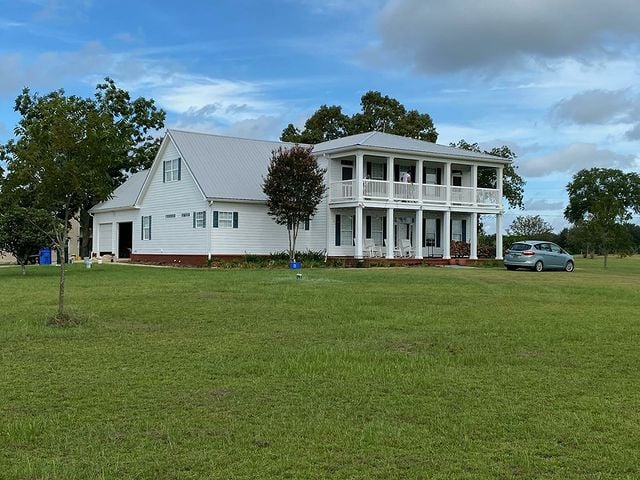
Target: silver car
x=538 y=255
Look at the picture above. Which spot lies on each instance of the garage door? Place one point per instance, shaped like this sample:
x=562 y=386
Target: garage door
x=104 y=235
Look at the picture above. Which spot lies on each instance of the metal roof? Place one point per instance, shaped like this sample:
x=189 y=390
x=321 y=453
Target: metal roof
x=125 y=195
x=389 y=142
x=226 y=167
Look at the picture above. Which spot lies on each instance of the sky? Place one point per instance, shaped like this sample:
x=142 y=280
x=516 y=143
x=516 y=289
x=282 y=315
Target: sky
x=555 y=80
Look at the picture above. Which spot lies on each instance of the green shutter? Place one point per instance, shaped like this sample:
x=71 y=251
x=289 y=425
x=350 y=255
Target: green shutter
x=367 y=233
x=337 y=230
x=149 y=227
x=164 y=171
x=235 y=219
x=204 y=219
x=179 y=168
x=214 y=223
x=194 y=219
x=142 y=228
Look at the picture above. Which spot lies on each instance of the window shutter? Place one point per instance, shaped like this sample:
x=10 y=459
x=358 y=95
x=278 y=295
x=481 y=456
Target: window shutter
x=408 y=230
x=142 y=228
x=396 y=173
x=194 y=219
x=215 y=219
x=412 y=172
x=438 y=228
x=369 y=169
x=306 y=223
x=353 y=231
x=337 y=230
x=179 y=168
x=424 y=232
x=464 y=230
x=384 y=228
x=368 y=227
x=149 y=227
x=439 y=176
x=235 y=219
x=164 y=172
x=204 y=217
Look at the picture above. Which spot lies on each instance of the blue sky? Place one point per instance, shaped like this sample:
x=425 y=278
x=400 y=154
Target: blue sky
x=557 y=81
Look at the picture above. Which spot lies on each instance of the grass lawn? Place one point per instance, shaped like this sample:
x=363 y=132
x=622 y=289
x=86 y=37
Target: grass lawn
x=347 y=373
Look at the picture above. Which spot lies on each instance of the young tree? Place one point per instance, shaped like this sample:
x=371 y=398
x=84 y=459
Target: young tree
x=61 y=160
x=378 y=113
x=24 y=231
x=294 y=187
x=600 y=201
x=530 y=226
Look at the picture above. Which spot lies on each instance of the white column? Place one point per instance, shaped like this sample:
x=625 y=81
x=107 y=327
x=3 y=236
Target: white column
x=499 y=236
x=95 y=248
x=114 y=238
x=390 y=176
x=390 y=241
x=447 y=181
x=209 y=227
x=446 y=248
x=419 y=234
x=418 y=181
x=330 y=232
x=358 y=232
x=359 y=176
x=499 y=184
x=474 y=183
x=473 y=255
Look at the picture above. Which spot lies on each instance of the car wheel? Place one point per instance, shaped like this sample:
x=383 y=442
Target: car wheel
x=569 y=266
x=510 y=267
x=538 y=267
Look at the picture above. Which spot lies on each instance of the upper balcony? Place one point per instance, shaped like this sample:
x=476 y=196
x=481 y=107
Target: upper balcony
x=402 y=192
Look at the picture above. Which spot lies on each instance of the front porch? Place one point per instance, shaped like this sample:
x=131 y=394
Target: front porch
x=375 y=232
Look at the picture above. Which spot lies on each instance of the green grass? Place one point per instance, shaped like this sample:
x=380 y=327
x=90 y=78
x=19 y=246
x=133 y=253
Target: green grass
x=347 y=373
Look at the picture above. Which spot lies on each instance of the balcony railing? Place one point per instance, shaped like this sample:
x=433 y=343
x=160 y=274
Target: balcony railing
x=345 y=191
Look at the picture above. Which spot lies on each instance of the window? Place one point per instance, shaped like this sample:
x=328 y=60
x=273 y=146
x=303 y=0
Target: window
x=344 y=230
x=225 y=219
x=431 y=176
x=146 y=228
x=187 y=214
x=377 y=171
x=170 y=215
x=456 y=230
x=199 y=219
x=171 y=170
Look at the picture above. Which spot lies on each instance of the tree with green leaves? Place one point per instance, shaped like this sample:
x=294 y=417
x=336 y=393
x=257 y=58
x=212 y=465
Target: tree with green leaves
x=294 y=187
x=24 y=231
x=601 y=200
x=71 y=152
x=378 y=113
x=530 y=227
x=512 y=183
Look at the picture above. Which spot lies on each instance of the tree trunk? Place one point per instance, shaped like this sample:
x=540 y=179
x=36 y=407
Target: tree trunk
x=606 y=254
x=23 y=267
x=86 y=225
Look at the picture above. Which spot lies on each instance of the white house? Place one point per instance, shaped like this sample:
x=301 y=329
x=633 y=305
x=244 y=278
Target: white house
x=388 y=196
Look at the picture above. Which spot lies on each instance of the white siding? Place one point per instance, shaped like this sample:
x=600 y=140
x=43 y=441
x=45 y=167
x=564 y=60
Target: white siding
x=174 y=235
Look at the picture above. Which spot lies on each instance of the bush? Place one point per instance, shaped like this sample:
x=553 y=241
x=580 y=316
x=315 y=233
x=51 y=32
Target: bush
x=460 y=249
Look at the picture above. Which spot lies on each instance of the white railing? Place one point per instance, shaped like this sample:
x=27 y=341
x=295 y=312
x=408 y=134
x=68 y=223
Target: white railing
x=344 y=190
x=462 y=195
x=488 y=196
x=376 y=189
x=434 y=193
x=407 y=192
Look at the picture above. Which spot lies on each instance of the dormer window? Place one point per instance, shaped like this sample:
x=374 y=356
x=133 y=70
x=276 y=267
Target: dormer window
x=171 y=170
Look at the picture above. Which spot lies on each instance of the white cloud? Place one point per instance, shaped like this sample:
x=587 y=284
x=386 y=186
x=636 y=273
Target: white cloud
x=573 y=158
x=543 y=205
x=597 y=107
x=458 y=35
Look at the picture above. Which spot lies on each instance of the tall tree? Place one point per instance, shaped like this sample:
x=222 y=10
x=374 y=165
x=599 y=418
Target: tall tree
x=378 y=113
x=601 y=200
x=530 y=226
x=71 y=152
x=294 y=187
x=512 y=183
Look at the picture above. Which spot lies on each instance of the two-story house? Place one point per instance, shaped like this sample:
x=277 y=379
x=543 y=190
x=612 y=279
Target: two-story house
x=388 y=196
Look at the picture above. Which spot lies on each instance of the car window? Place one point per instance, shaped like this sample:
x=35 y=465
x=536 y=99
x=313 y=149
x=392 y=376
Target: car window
x=555 y=248
x=520 y=247
x=545 y=247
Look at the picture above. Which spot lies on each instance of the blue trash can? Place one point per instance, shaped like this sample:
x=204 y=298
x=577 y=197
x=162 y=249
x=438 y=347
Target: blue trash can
x=45 y=256
x=295 y=265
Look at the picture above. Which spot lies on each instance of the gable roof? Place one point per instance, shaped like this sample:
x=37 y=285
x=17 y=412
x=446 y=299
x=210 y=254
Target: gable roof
x=398 y=144
x=226 y=167
x=125 y=195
